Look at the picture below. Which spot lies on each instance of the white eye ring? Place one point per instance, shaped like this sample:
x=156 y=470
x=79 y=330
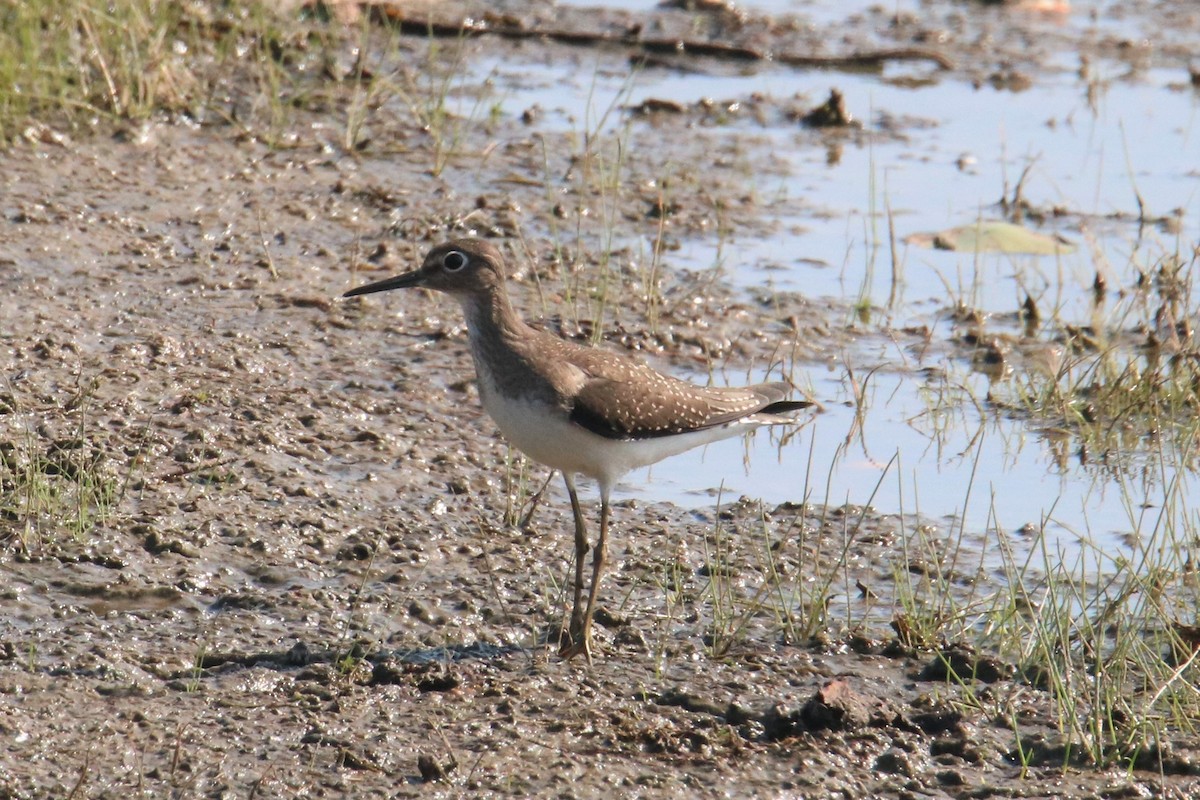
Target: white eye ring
x=454 y=261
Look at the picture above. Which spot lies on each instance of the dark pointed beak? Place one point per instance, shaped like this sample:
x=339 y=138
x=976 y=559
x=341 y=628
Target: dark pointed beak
x=404 y=281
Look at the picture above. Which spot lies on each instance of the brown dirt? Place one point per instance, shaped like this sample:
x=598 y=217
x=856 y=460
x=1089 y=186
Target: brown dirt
x=307 y=587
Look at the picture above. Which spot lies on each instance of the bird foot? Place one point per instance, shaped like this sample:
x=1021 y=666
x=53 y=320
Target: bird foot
x=576 y=640
x=570 y=648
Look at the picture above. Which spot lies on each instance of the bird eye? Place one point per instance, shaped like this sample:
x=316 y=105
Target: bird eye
x=454 y=261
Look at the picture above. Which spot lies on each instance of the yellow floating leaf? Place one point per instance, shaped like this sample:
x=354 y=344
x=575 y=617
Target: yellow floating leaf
x=991 y=236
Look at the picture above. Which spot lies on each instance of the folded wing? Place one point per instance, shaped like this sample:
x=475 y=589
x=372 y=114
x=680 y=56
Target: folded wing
x=625 y=399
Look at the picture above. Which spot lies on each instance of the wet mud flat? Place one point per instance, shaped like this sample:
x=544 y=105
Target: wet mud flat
x=267 y=553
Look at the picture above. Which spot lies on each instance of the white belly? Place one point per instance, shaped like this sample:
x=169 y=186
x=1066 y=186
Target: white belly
x=551 y=439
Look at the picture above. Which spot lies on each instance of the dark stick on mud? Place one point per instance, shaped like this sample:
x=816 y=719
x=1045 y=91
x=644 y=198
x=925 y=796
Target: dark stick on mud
x=510 y=28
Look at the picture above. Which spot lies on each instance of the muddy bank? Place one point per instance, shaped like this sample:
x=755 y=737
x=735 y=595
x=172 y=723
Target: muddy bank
x=261 y=548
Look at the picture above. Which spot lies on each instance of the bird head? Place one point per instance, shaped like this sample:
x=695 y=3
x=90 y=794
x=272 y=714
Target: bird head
x=458 y=267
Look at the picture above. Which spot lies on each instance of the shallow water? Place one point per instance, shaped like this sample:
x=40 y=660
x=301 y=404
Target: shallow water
x=1092 y=139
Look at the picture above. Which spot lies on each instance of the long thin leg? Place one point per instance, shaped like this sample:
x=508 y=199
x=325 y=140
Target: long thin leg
x=598 y=558
x=577 y=629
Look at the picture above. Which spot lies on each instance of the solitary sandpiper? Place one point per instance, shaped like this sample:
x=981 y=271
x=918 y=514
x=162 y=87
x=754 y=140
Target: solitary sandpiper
x=580 y=410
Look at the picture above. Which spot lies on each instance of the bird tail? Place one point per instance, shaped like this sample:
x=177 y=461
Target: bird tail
x=782 y=408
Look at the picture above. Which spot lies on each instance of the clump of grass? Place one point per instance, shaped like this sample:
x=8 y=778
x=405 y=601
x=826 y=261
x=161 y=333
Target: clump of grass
x=1108 y=637
x=55 y=484
x=435 y=95
x=73 y=64
x=75 y=59
x=798 y=563
x=1127 y=380
x=732 y=610
x=1105 y=645
x=196 y=672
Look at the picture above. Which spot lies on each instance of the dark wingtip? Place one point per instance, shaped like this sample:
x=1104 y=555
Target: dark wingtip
x=785 y=407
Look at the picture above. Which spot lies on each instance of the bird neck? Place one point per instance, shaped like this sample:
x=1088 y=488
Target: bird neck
x=490 y=316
